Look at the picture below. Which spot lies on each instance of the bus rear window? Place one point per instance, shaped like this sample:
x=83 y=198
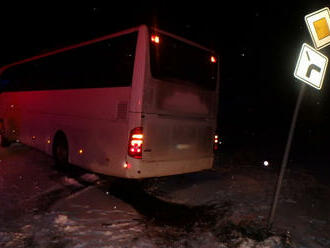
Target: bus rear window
x=176 y=61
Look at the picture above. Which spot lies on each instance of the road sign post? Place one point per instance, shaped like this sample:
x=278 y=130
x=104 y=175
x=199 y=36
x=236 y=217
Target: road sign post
x=286 y=155
x=311 y=67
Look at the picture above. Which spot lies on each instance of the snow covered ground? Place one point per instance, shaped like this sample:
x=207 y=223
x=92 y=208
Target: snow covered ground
x=302 y=216
x=225 y=207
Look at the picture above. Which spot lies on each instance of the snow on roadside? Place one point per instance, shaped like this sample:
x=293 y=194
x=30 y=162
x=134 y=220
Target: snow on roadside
x=61 y=229
x=57 y=229
x=89 y=177
x=61 y=219
x=11 y=239
x=68 y=181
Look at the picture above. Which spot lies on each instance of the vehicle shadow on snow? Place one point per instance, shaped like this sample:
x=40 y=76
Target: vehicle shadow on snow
x=71 y=179
x=161 y=212
x=173 y=222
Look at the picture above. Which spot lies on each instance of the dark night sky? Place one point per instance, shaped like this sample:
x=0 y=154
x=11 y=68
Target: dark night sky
x=258 y=47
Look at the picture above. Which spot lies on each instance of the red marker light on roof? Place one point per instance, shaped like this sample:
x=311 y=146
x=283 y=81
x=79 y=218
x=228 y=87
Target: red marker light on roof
x=155 y=39
x=213 y=59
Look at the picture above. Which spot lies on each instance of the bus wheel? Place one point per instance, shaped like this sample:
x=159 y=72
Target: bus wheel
x=61 y=150
x=4 y=141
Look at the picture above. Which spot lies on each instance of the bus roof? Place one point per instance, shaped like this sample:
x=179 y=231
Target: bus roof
x=68 y=48
x=183 y=40
x=109 y=36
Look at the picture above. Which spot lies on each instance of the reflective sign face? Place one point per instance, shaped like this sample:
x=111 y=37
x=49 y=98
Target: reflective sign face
x=311 y=66
x=318 y=24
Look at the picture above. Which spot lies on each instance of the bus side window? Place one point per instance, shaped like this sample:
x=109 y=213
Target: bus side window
x=18 y=78
x=9 y=80
x=3 y=84
x=107 y=63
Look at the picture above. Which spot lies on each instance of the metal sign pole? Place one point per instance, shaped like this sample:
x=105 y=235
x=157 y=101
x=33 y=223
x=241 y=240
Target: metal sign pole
x=286 y=155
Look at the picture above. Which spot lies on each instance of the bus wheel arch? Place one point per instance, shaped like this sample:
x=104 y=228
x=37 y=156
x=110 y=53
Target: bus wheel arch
x=60 y=149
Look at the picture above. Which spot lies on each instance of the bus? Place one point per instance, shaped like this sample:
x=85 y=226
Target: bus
x=136 y=104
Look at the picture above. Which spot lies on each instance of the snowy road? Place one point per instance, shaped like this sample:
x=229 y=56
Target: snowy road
x=227 y=207
x=44 y=207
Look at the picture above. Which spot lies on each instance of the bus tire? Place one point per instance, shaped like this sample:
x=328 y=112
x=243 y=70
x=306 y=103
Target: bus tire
x=4 y=141
x=61 y=150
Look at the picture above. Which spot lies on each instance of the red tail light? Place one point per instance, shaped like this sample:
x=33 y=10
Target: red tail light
x=135 y=143
x=216 y=142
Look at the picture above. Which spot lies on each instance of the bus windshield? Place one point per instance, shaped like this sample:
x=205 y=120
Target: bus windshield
x=174 y=60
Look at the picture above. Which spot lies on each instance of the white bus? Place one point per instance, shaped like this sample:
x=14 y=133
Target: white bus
x=139 y=103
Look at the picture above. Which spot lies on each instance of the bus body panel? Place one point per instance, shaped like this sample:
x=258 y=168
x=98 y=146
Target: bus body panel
x=145 y=169
x=95 y=121
x=139 y=72
x=168 y=98
x=175 y=138
x=179 y=126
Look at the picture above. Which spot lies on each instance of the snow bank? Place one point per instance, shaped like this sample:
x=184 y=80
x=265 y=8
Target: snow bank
x=71 y=182
x=61 y=219
x=89 y=177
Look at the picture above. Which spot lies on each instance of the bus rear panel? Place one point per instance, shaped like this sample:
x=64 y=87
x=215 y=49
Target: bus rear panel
x=178 y=117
